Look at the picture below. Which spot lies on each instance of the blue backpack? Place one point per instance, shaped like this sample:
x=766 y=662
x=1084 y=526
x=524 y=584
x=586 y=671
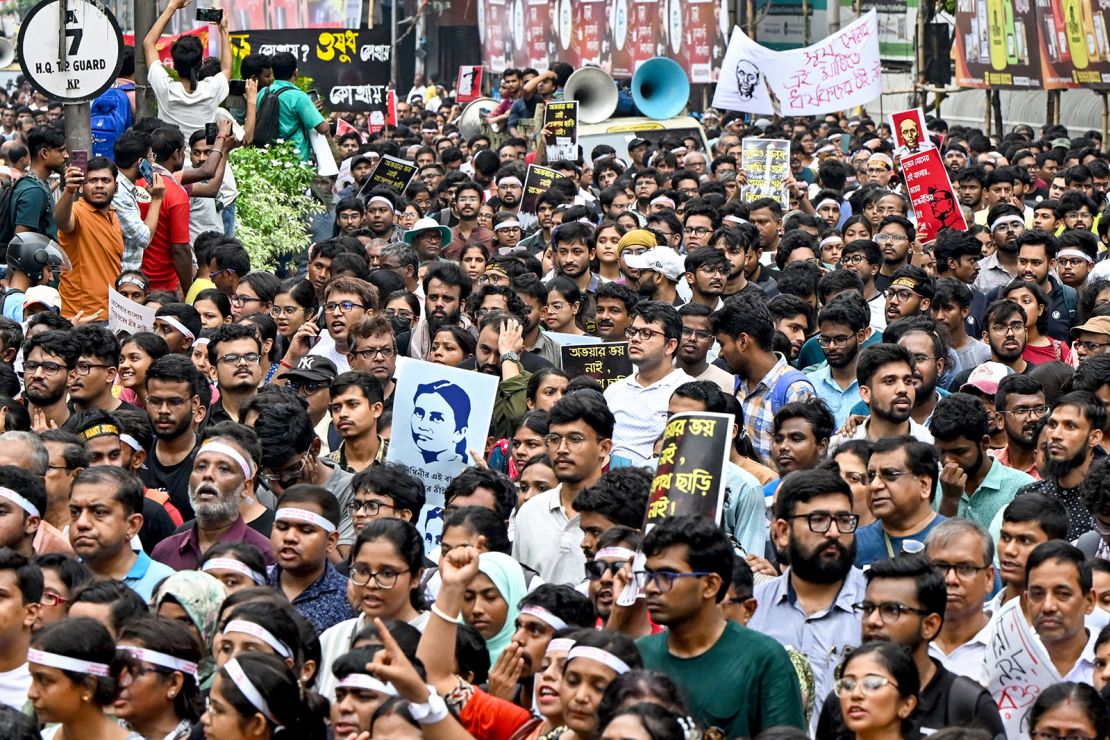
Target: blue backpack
x=110 y=116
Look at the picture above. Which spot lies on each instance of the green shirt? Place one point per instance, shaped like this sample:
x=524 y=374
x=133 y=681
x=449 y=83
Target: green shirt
x=296 y=115
x=741 y=686
x=32 y=206
x=993 y=495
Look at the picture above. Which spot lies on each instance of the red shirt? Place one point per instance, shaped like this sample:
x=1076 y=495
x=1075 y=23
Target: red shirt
x=173 y=228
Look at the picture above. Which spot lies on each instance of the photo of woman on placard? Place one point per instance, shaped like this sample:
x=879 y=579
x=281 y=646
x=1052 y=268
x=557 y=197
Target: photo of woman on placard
x=440 y=421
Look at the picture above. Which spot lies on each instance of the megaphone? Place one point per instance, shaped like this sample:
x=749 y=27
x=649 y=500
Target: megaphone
x=7 y=52
x=470 y=120
x=596 y=93
x=660 y=88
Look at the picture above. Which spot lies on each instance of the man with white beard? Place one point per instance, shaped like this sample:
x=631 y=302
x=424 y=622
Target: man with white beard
x=223 y=474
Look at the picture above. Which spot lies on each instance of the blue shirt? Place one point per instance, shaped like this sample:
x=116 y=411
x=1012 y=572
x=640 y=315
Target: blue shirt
x=324 y=603
x=145 y=574
x=840 y=402
x=872 y=542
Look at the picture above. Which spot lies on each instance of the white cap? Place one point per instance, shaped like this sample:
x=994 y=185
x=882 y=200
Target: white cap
x=43 y=294
x=663 y=260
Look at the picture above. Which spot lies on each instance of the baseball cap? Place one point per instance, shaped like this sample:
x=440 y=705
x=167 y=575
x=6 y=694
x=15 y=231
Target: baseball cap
x=761 y=123
x=985 y=378
x=1094 y=325
x=637 y=238
x=663 y=260
x=637 y=142
x=1062 y=143
x=312 y=368
x=43 y=295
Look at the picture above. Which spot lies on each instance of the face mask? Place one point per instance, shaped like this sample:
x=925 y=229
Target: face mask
x=400 y=324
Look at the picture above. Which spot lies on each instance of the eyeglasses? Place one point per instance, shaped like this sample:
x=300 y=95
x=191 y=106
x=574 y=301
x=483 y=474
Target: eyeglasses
x=889 y=475
x=278 y=311
x=343 y=306
x=233 y=359
x=1014 y=327
x=370 y=507
x=918 y=359
x=663 y=580
x=963 y=570
x=714 y=270
x=696 y=231
x=52 y=598
x=286 y=478
x=869 y=683
x=901 y=296
x=49 y=369
x=1070 y=261
x=173 y=404
x=855 y=479
x=699 y=334
x=84 y=368
x=643 y=334
x=1024 y=412
x=841 y=341
x=821 y=521
x=369 y=352
x=308 y=389
x=889 y=611
x=853 y=259
x=1048 y=735
x=596 y=569
x=218 y=273
x=573 y=440
x=1089 y=346
x=240 y=299
x=383 y=579
x=1077 y=214
x=392 y=313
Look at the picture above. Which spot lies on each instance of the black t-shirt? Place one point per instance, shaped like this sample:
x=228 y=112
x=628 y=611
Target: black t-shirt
x=173 y=479
x=157 y=524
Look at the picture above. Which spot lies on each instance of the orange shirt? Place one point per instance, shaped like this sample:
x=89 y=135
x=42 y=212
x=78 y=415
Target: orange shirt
x=95 y=247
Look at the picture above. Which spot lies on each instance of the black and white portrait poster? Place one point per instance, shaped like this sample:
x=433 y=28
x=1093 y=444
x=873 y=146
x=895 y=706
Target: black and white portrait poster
x=440 y=414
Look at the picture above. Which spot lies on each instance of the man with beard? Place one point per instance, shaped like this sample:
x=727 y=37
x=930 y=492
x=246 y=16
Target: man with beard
x=810 y=605
x=1036 y=262
x=90 y=234
x=177 y=395
x=735 y=242
x=428 y=238
x=32 y=203
x=381 y=205
x=446 y=288
x=645 y=184
x=765 y=215
x=509 y=189
x=1071 y=435
x=1006 y=334
x=1007 y=224
x=499 y=352
x=903 y=474
x=660 y=270
x=886 y=385
x=236 y=354
x=694 y=345
x=573 y=258
x=972 y=484
x=909 y=293
x=533 y=293
x=49 y=366
x=223 y=475
x=969 y=187
x=905 y=603
x=615 y=547
x=614 y=311
x=930 y=361
x=1021 y=403
x=469 y=197
x=843 y=328
x=895 y=240
x=707 y=270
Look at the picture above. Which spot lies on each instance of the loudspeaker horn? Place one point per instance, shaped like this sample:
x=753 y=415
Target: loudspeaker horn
x=596 y=93
x=660 y=88
x=470 y=121
x=7 y=52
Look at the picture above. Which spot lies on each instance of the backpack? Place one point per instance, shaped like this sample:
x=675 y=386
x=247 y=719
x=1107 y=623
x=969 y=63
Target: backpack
x=782 y=385
x=110 y=115
x=267 y=119
x=7 y=223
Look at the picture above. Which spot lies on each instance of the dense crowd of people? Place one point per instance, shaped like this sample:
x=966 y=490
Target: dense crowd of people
x=202 y=533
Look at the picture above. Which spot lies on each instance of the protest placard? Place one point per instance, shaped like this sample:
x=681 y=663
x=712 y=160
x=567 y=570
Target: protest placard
x=1018 y=667
x=469 y=85
x=606 y=363
x=560 y=118
x=690 y=475
x=767 y=164
x=910 y=133
x=392 y=172
x=536 y=183
x=440 y=415
x=931 y=195
x=128 y=316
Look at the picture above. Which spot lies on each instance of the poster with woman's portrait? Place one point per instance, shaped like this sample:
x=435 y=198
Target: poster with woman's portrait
x=440 y=414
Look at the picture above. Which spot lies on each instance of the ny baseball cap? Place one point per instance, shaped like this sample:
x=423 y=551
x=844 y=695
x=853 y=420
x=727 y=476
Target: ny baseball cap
x=313 y=369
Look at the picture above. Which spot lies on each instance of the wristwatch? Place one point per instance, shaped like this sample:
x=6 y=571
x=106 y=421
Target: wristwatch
x=510 y=357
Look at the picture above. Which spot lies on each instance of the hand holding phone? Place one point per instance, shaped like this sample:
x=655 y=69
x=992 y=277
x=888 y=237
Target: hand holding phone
x=210 y=15
x=211 y=130
x=237 y=87
x=80 y=160
x=146 y=171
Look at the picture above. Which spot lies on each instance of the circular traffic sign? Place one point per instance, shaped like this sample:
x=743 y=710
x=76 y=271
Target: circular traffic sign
x=93 y=50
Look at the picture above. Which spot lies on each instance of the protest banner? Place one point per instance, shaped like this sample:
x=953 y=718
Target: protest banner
x=468 y=87
x=560 y=118
x=349 y=68
x=392 y=172
x=910 y=134
x=1018 y=668
x=838 y=72
x=128 y=316
x=536 y=183
x=997 y=44
x=606 y=362
x=931 y=195
x=767 y=164
x=690 y=475
x=440 y=415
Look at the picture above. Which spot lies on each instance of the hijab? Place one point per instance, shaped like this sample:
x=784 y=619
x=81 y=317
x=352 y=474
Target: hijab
x=200 y=595
x=508 y=578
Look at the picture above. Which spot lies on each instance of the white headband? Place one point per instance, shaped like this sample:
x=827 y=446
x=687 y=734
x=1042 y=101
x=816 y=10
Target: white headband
x=239 y=678
x=380 y=199
x=601 y=656
x=544 y=616
x=735 y=220
x=66 y=663
x=162 y=659
x=1071 y=252
x=130 y=441
x=255 y=630
x=365 y=682
x=202 y=342
x=510 y=223
x=830 y=240
x=615 y=552
x=20 y=501
x=662 y=199
x=233 y=565
x=176 y=325
x=301 y=515
x=1003 y=220
x=559 y=645
x=827 y=202
x=234 y=454
x=133 y=280
x=510 y=180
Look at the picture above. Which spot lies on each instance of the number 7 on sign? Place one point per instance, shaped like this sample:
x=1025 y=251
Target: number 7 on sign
x=76 y=34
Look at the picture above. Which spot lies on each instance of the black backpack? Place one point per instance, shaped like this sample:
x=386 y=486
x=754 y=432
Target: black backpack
x=267 y=119
x=7 y=222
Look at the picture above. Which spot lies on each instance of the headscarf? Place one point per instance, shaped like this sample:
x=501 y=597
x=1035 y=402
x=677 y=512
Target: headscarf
x=200 y=595
x=508 y=578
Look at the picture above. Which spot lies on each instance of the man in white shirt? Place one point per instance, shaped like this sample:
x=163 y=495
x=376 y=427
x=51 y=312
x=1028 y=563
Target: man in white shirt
x=885 y=375
x=639 y=401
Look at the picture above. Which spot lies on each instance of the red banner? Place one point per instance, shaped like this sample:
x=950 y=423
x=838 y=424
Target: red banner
x=165 y=42
x=468 y=87
x=930 y=190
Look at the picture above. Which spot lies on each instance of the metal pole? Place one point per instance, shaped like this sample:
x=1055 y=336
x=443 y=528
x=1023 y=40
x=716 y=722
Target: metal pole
x=393 y=41
x=834 y=16
x=1105 y=116
x=805 y=22
x=920 y=56
x=987 y=115
x=144 y=19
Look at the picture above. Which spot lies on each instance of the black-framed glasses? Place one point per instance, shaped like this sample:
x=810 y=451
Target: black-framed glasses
x=384 y=579
x=963 y=570
x=838 y=341
x=903 y=295
x=84 y=368
x=371 y=352
x=643 y=333
x=247 y=358
x=820 y=521
x=596 y=569
x=49 y=369
x=1014 y=327
x=699 y=334
x=372 y=508
x=308 y=389
x=343 y=306
x=853 y=259
x=663 y=580
x=889 y=611
x=870 y=683
x=240 y=299
x=1024 y=412
x=889 y=475
x=1091 y=346
x=286 y=478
